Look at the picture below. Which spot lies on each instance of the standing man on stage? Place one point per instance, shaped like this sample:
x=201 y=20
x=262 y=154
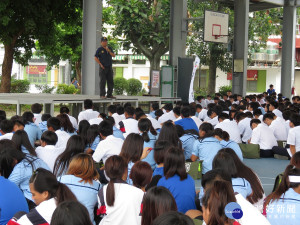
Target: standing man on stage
x=103 y=57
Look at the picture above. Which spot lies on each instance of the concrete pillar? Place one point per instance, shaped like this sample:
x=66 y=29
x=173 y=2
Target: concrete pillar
x=91 y=36
x=178 y=34
x=288 y=48
x=240 y=46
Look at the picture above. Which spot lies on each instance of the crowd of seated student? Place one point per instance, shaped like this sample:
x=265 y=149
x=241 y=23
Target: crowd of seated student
x=131 y=165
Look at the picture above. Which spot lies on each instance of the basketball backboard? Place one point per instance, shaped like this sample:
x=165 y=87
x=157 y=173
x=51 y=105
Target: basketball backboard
x=216 y=27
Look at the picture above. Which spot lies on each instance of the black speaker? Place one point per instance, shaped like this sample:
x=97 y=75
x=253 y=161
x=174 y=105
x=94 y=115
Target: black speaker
x=185 y=69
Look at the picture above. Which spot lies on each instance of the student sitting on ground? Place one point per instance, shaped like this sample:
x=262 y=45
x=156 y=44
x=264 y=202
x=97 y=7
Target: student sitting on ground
x=54 y=125
x=43 y=124
x=129 y=125
x=186 y=122
x=36 y=109
x=206 y=147
x=286 y=196
x=65 y=110
x=47 y=193
x=21 y=140
x=116 y=132
x=118 y=201
x=33 y=131
x=48 y=152
x=187 y=140
x=88 y=112
x=263 y=135
x=93 y=139
x=82 y=179
x=18 y=167
x=112 y=111
x=177 y=181
x=6 y=129
x=75 y=146
x=277 y=126
x=66 y=124
x=18 y=124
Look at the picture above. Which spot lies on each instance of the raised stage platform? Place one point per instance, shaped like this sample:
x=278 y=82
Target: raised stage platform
x=49 y=100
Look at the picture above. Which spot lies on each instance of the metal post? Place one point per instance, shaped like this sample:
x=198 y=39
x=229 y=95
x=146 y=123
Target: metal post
x=288 y=48
x=240 y=46
x=91 y=36
x=178 y=34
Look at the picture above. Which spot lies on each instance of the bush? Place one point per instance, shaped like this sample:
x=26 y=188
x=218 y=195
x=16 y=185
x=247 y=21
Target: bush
x=134 y=86
x=200 y=92
x=44 y=88
x=223 y=89
x=120 y=85
x=19 y=86
x=66 y=89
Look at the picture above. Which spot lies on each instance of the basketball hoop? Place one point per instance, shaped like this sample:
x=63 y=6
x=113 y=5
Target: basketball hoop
x=216 y=27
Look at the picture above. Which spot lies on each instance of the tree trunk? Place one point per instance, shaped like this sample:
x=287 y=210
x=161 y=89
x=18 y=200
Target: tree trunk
x=154 y=65
x=212 y=71
x=78 y=71
x=6 y=68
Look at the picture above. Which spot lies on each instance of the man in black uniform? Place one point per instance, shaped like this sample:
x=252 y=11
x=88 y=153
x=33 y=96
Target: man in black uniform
x=103 y=57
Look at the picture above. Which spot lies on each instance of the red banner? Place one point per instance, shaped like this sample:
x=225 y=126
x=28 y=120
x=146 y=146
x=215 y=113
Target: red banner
x=36 y=69
x=251 y=75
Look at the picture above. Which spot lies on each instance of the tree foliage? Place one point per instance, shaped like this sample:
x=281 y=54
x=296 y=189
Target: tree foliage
x=143 y=26
x=22 y=22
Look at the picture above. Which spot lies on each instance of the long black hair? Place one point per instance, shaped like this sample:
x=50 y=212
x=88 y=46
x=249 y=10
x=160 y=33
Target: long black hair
x=208 y=129
x=92 y=133
x=168 y=133
x=10 y=156
x=82 y=130
x=75 y=145
x=145 y=126
x=20 y=138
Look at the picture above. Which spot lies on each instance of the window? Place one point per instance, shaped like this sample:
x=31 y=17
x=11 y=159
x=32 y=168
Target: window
x=37 y=78
x=138 y=61
x=251 y=85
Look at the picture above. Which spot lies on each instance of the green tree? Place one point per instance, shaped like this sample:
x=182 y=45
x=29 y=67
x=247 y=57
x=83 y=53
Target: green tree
x=143 y=26
x=22 y=22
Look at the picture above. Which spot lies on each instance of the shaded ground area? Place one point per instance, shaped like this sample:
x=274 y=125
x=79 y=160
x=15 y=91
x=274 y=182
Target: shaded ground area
x=266 y=169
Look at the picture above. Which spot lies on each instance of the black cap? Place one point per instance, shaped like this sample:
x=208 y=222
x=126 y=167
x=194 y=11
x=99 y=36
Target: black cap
x=103 y=39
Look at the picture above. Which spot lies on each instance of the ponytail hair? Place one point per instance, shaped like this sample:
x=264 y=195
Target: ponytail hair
x=145 y=126
x=222 y=134
x=115 y=167
x=208 y=129
x=285 y=184
x=43 y=180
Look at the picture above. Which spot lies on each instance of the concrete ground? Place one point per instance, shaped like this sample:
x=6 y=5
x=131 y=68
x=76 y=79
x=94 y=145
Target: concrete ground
x=266 y=168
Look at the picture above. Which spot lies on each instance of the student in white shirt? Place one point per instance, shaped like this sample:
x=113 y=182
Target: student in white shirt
x=277 y=126
x=96 y=121
x=129 y=125
x=47 y=151
x=112 y=111
x=6 y=129
x=263 y=135
x=244 y=126
x=169 y=115
x=54 y=125
x=36 y=109
x=109 y=145
x=273 y=107
x=194 y=117
x=119 y=202
x=294 y=134
x=202 y=113
x=176 y=111
x=65 y=110
x=88 y=113
x=229 y=126
x=47 y=193
x=213 y=114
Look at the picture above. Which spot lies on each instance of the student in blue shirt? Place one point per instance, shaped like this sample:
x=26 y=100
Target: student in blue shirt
x=21 y=140
x=93 y=139
x=66 y=124
x=153 y=108
x=225 y=162
x=207 y=147
x=283 y=205
x=75 y=145
x=160 y=150
x=187 y=140
x=20 y=172
x=43 y=124
x=116 y=132
x=186 y=122
x=223 y=137
x=12 y=200
x=177 y=181
x=82 y=178
x=149 y=135
x=33 y=131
